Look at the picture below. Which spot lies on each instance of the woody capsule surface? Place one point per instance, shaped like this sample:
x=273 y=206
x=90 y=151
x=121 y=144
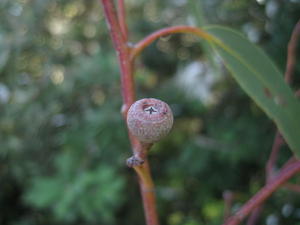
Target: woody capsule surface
x=149 y=119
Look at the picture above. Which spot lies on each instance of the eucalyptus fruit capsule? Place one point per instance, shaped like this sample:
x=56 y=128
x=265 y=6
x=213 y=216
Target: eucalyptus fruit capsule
x=149 y=119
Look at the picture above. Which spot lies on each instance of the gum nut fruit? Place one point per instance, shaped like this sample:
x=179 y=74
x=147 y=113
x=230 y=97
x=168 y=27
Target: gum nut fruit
x=149 y=119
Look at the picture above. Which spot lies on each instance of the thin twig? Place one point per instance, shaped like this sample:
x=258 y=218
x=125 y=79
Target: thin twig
x=148 y=193
x=123 y=52
x=228 y=197
x=291 y=56
x=285 y=174
x=291 y=161
x=277 y=143
x=254 y=216
x=128 y=93
x=167 y=31
x=122 y=19
x=270 y=175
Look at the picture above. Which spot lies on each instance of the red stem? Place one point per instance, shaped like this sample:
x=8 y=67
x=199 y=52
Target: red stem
x=117 y=27
x=255 y=215
x=167 y=31
x=285 y=174
x=297 y=93
x=291 y=57
x=148 y=193
x=228 y=197
x=122 y=19
x=277 y=143
x=120 y=44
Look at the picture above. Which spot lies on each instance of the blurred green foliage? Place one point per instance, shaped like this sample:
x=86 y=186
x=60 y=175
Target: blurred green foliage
x=64 y=143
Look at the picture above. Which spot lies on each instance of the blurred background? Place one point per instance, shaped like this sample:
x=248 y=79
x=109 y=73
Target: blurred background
x=63 y=143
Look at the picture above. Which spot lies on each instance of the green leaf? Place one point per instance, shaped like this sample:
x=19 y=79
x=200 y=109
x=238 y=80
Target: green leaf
x=261 y=80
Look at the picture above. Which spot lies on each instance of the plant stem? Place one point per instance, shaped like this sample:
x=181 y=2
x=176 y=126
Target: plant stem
x=118 y=31
x=123 y=52
x=255 y=215
x=292 y=187
x=269 y=171
x=286 y=173
x=122 y=19
x=277 y=143
x=228 y=197
x=148 y=193
x=167 y=31
x=291 y=56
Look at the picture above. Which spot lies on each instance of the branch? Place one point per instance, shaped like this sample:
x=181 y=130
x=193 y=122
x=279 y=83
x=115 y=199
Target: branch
x=167 y=31
x=117 y=27
x=277 y=143
x=291 y=56
x=122 y=19
x=122 y=50
x=228 y=197
x=297 y=93
x=255 y=215
x=285 y=174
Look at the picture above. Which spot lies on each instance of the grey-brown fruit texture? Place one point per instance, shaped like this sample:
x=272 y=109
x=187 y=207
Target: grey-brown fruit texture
x=149 y=119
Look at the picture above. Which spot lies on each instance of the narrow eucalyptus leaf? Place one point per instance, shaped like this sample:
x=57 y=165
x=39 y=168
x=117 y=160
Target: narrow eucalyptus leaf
x=261 y=80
